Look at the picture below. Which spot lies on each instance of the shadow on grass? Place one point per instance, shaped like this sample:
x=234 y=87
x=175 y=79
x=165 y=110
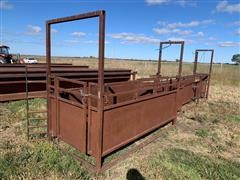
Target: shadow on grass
x=134 y=174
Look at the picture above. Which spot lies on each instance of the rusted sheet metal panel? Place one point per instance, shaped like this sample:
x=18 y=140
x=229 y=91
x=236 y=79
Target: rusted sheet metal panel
x=72 y=125
x=203 y=88
x=21 y=87
x=126 y=123
x=53 y=122
x=186 y=94
x=111 y=90
x=123 y=121
x=92 y=132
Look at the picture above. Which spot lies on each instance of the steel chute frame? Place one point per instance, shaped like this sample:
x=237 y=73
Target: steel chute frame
x=99 y=118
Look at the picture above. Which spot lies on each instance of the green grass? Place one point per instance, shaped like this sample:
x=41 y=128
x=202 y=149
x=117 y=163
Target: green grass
x=37 y=162
x=17 y=109
x=235 y=118
x=183 y=164
x=202 y=133
x=227 y=111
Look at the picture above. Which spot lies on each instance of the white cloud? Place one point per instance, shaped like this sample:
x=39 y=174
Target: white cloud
x=78 y=34
x=238 y=31
x=185 y=3
x=175 y=39
x=229 y=44
x=156 y=2
x=189 y=24
x=188 y=41
x=134 y=38
x=200 y=34
x=182 y=32
x=162 y=23
x=77 y=40
x=5 y=5
x=224 y=6
x=91 y=42
x=34 y=30
x=236 y=23
x=54 y=30
x=182 y=3
x=72 y=41
x=178 y=28
x=94 y=42
x=162 y=31
x=211 y=38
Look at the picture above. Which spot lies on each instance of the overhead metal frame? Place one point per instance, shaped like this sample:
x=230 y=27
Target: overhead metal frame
x=101 y=42
x=210 y=66
x=181 y=43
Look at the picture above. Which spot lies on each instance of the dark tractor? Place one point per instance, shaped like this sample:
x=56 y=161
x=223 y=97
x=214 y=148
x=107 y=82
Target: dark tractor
x=5 y=57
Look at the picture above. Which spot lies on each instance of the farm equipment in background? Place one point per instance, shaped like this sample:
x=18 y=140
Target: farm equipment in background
x=6 y=57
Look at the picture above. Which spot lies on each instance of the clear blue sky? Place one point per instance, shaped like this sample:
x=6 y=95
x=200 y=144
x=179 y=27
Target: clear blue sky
x=134 y=28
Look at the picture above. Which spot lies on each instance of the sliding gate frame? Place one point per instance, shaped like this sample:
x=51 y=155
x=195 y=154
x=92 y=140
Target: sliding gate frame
x=101 y=15
x=210 y=67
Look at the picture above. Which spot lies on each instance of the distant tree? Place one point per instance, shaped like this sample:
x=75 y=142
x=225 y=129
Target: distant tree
x=236 y=58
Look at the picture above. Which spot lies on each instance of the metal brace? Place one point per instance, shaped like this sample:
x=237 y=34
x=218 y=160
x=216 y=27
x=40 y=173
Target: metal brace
x=85 y=96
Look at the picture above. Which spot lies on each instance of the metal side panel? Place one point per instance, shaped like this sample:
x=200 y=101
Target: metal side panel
x=204 y=88
x=53 y=120
x=186 y=94
x=124 y=124
x=92 y=132
x=72 y=125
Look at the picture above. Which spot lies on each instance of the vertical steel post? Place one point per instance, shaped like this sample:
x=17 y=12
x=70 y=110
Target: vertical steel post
x=160 y=59
x=181 y=59
x=48 y=61
x=56 y=92
x=178 y=101
x=210 y=72
x=27 y=102
x=195 y=63
x=100 y=89
x=210 y=68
